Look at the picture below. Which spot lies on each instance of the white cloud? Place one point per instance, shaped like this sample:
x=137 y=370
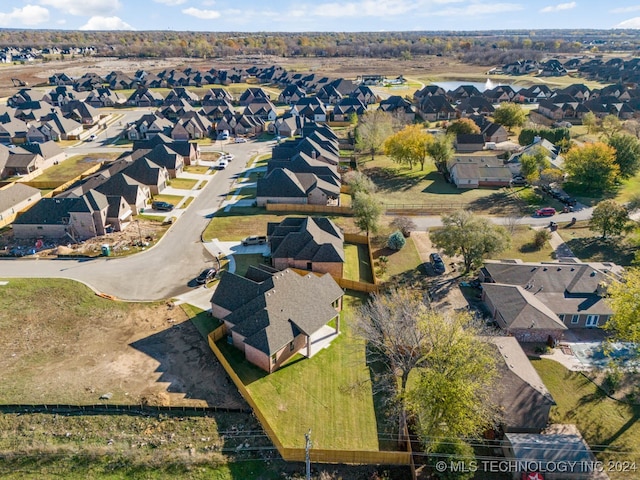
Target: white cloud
x=106 y=23
x=559 y=7
x=476 y=9
x=366 y=8
x=28 y=15
x=208 y=3
x=631 y=23
x=171 y=3
x=634 y=8
x=84 y=7
x=202 y=14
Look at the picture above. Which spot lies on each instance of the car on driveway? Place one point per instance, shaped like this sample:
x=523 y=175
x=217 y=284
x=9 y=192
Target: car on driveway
x=241 y=140
x=207 y=275
x=546 y=212
x=222 y=164
x=165 y=206
x=254 y=240
x=437 y=264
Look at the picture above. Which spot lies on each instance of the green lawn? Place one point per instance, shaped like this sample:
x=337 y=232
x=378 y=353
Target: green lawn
x=628 y=189
x=398 y=185
x=330 y=393
x=243 y=193
x=198 y=169
x=611 y=428
x=183 y=183
x=243 y=262
x=588 y=245
x=173 y=199
x=356 y=266
x=73 y=167
x=522 y=247
x=187 y=202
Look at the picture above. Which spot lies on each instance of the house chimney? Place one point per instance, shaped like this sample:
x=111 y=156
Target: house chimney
x=313 y=154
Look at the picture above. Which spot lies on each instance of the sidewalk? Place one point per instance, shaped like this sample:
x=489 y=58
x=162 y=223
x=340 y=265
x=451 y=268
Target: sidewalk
x=561 y=249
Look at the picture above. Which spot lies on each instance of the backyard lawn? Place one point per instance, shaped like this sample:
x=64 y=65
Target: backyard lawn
x=610 y=427
x=357 y=266
x=73 y=167
x=330 y=393
x=522 y=247
x=398 y=185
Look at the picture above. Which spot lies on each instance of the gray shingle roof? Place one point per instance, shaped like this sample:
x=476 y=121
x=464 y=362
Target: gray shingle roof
x=312 y=239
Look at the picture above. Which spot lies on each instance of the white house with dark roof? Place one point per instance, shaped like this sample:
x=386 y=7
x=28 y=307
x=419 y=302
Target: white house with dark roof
x=272 y=316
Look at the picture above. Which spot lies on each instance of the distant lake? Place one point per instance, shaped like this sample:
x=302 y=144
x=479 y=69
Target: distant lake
x=482 y=86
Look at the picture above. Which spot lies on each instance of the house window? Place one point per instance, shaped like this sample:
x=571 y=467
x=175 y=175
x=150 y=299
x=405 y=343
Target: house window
x=592 y=320
x=291 y=346
x=309 y=266
x=575 y=319
x=561 y=317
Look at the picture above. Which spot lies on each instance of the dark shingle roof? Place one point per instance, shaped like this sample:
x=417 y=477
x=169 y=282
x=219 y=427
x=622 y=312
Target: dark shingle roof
x=313 y=239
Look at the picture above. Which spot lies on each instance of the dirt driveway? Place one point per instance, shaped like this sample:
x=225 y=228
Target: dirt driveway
x=74 y=350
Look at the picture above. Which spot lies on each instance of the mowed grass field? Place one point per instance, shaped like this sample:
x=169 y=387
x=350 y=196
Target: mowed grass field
x=73 y=167
x=331 y=393
x=611 y=428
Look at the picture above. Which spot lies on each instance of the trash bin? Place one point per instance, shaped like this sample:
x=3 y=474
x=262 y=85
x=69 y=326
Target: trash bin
x=106 y=250
x=142 y=210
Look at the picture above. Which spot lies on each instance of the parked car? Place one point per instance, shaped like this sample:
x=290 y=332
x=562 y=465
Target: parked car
x=92 y=137
x=222 y=164
x=241 y=140
x=546 y=212
x=437 y=263
x=518 y=180
x=207 y=275
x=228 y=157
x=166 y=206
x=254 y=240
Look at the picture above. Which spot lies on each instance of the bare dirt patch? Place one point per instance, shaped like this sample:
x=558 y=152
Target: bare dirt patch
x=62 y=344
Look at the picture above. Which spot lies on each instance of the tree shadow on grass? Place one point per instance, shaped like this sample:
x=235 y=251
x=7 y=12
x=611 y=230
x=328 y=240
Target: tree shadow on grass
x=392 y=179
x=602 y=250
x=498 y=202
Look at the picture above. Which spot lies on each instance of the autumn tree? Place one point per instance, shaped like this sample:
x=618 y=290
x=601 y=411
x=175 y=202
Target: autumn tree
x=590 y=121
x=610 y=126
x=532 y=164
x=509 y=115
x=609 y=218
x=358 y=182
x=367 y=211
x=374 y=127
x=409 y=146
x=627 y=153
x=471 y=236
x=463 y=126
x=441 y=151
x=593 y=166
x=623 y=296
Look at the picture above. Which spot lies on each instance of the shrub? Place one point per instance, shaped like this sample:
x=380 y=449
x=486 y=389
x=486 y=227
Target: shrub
x=396 y=240
x=540 y=238
x=404 y=224
x=454 y=450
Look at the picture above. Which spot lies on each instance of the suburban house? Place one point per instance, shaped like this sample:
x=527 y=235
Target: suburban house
x=104 y=97
x=365 y=94
x=398 y=106
x=538 y=302
x=523 y=400
x=303 y=163
x=272 y=316
x=163 y=156
x=284 y=186
x=215 y=94
x=179 y=94
x=307 y=243
x=134 y=193
x=263 y=108
x=143 y=97
x=469 y=142
x=436 y=107
x=14 y=198
x=479 y=171
x=474 y=106
x=22 y=163
x=288 y=125
x=251 y=95
x=310 y=108
x=550 y=151
x=291 y=94
x=77 y=217
x=347 y=107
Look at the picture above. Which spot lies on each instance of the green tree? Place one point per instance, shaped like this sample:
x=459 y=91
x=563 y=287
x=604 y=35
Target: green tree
x=470 y=236
x=540 y=238
x=463 y=126
x=593 y=166
x=409 y=146
x=623 y=296
x=367 y=211
x=453 y=393
x=373 y=129
x=627 y=153
x=396 y=241
x=509 y=115
x=453 y=450
x=533 y=164
x=441 y=151
x=590 y=121
x=609 y=218
x=610 y=125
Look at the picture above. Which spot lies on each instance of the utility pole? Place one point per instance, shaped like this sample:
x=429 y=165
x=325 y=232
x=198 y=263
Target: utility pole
x=307 y=448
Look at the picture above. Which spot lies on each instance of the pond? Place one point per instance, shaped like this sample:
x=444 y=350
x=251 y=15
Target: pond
x=482 y=86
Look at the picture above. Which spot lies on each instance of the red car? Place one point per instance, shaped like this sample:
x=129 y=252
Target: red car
x=546 y=212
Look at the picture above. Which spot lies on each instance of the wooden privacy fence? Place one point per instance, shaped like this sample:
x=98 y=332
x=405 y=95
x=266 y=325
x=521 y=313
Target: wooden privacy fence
x=49 y=184
x=291 y=454
x=306 y=208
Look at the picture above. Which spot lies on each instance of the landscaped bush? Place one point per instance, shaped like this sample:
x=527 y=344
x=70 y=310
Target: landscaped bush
x=396 y=241
x=540 y=238
x=404 y=224
x=452 y=451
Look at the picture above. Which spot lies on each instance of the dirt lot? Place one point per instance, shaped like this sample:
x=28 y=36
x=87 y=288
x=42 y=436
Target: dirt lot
x=62 y=344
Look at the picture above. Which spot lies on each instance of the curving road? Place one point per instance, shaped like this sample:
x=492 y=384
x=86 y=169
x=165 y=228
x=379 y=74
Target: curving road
x=164 y=270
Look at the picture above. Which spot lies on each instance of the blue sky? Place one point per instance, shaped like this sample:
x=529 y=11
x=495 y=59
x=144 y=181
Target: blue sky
x=317 y=15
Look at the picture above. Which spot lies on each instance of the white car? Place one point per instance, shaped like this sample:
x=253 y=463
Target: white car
x=241 y=140
x=228 y=157
x=92 y=137
x=222 y=164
